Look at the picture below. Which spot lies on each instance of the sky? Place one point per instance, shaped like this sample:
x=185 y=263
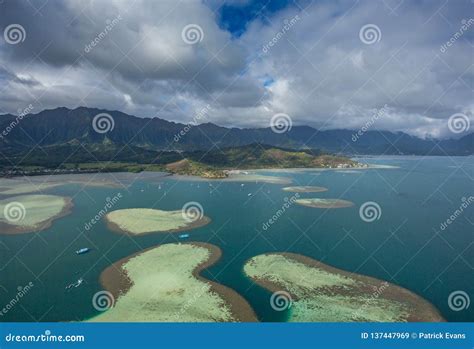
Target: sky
x=383 y=64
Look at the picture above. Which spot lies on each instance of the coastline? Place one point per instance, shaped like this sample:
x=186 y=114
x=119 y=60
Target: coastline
x=230 y=171
x=324 y=203
x=11 y=229
x=115 y=280
x=192 y=225
x=421 y=310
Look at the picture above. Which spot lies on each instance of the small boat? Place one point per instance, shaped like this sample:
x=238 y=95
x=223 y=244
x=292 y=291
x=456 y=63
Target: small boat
x=75 y=284
x=79 y=282
x=183 y=236
x=249 y=194
x=83 y=250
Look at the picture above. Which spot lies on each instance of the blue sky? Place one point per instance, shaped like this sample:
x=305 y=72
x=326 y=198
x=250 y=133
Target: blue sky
x=396 y=65
x=234 y=17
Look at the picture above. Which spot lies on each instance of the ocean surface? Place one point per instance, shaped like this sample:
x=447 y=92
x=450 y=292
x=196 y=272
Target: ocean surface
x=406 y=245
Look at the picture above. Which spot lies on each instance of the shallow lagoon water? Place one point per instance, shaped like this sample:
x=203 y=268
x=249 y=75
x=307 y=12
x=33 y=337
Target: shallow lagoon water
x=405 y=246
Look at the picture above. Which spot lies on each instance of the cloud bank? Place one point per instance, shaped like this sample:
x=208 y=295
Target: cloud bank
x=327 y=64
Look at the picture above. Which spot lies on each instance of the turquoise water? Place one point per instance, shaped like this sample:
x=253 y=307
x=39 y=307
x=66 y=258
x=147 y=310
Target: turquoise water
x=405 y=245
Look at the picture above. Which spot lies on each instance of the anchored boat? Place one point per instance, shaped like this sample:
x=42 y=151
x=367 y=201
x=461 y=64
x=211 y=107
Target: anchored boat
x=83 y=250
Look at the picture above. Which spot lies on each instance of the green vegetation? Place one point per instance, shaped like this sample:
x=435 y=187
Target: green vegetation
x=108 y=157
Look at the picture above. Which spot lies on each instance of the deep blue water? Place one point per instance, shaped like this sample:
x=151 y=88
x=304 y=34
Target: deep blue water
x=405 y=245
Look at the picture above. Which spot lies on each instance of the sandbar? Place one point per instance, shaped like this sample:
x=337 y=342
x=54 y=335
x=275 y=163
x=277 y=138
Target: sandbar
x=139 y=221
x=15 y=187
x=323 y=293
x=29 y=213
x=324 y=203
x=305 y=189
x=162 y=284
x=239 y=177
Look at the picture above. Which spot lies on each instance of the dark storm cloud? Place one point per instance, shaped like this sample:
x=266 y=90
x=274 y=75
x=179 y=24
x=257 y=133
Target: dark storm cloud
x=130 y=56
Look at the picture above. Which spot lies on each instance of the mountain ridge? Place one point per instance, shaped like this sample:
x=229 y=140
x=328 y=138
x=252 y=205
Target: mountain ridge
x=62 y=125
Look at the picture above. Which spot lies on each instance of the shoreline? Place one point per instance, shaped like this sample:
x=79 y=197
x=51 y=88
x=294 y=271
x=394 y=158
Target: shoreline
x=424 y=312
x=115 y=280
x=305 y=189
x=114 y=227
x=324 y=203
x=56 y=172
x=11 y=229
